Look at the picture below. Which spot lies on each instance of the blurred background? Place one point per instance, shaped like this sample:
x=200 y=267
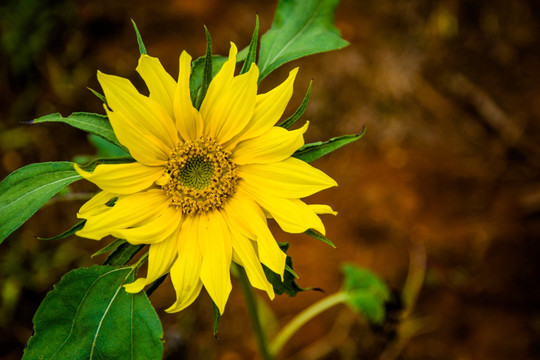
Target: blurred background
x=449 y=93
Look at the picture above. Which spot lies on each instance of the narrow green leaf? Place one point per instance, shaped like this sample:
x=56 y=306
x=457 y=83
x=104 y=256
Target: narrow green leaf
x=299 y=112
x=88 y=315
x=109 y=248
x=98 y=95
x=93 y=123
x=288 y=285
x=313 y=151
x=122 y=254
x=90 y=166
x=367 y=294
x=300 y=28
x=78 y=226
x=197 y=72
x=216 y=316
x=207 y=73
x=142 y=48
x=319 y=236
x=251 y=56
x=25 y=190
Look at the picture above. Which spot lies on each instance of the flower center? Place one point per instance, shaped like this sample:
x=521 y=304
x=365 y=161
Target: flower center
x=199 y=176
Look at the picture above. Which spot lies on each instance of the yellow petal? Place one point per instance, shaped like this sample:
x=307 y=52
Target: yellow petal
x=122 y=178
x=292 y=215
x=322 y=209
x=147 y=115
x=154 y=231
x=244 y=254
x=185 y=273
x=143 y=146
x=291 y=178
x=269 y=108
x=96 y=205
x=160 y=258
x=158 y=81
x=188 y=120
x=216 y=247
x=230 y=103
x=275 y=145
x=127 y=212
x=246 y=217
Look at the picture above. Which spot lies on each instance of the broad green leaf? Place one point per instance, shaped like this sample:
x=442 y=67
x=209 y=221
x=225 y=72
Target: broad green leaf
x=25 y=190
x=313 y=151
x=288 y=285
x=197 y=72
x=251 y=56
x=207 y=72
x=299 y=112
x=142 y=48
x=93 y=123
x=106 y=149
x=319 y=236
x=88 y=315
x=300 y=28
x=367 y=294
x=78 y=226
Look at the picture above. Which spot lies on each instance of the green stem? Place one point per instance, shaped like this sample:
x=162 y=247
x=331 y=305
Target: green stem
x=251 y=303
x=302 y=318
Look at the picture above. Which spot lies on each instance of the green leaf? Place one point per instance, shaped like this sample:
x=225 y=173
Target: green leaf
x=78 y=226
x=318 y=236
x=197 y=72
x=300 y=28
x=88 y=315
x=90 y=166
x=25 y=190
x=106 y=149
x=251 y=56
x=142 y=48
x=93 y=123
x=98 y=95
x=122 y=254
x=216 y=316
x=367 y=294
x=288 y=285
x=109 y=248
x=207 y=71
x=313 y=151
x=299 y=112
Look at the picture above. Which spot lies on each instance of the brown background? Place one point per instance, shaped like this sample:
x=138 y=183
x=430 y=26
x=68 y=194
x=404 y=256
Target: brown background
x=448 y=91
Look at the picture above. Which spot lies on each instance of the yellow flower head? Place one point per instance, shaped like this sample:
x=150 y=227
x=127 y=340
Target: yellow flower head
x=204 y=181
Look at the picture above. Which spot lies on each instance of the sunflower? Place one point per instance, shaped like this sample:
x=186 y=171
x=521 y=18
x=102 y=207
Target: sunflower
x=204 y=181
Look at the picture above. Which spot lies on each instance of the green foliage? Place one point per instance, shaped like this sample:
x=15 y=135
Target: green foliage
x=106 y=149
x=78 y=226
x=300 y=28
x=367 y=294
x=93 y=123
x=90 y=166
x=299 y=112
x=25 y=190
x=142 y=48
x=197 y=73
x=122 y=253
x=319 y=236
x=98 y=95
x=207 y=72
x=313 y=151
x=88 y=315
x=251 y=56
x=216 y=315
x=288 y=285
